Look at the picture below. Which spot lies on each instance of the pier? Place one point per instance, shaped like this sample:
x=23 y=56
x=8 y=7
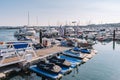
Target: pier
x=21 y=56
x=18 y=62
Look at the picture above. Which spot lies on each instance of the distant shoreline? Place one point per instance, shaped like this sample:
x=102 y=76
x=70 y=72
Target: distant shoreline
x=9 y=28
x=113 y=25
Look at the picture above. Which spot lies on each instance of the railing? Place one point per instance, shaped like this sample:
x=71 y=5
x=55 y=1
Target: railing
x=18 y=50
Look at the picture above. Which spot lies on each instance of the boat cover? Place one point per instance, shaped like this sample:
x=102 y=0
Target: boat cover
x=81 y=50
x=19 y=45
x=73 y=61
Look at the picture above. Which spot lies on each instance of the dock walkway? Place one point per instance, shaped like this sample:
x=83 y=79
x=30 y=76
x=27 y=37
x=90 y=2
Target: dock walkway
x=40 y=54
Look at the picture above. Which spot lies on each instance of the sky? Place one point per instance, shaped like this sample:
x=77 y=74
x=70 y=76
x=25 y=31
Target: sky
x=58 y=12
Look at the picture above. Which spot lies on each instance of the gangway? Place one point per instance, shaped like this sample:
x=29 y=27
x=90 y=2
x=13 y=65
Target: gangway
x=15 y=52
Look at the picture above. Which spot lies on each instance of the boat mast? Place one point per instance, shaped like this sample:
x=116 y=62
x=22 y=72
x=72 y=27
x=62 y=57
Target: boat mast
x=28 y=18
x=36 y=21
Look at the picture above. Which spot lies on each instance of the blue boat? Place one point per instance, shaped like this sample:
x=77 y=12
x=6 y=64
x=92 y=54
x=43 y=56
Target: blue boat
x=58 y=61
x=76 y=49
x=81 y=50
x=72 y=53
x=49 y=67
x=65 y=70
x=85 y=51
x=46 y=74
x=74 y=61
x=63 y=63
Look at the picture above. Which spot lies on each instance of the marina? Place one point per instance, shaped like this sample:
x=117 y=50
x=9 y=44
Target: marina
x=51 y=56
x=95 y=63
x=22 y=56
x=59 y=40
x=25 y=63
x=25 y=56
x=51 y=52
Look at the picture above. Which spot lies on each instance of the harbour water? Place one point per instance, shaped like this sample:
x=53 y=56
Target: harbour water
x=7 y=34
x=103 y=66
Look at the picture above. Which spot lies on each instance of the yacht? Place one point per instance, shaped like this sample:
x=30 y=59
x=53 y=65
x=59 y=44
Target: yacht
x=51 y=31
x=25 y=31
x=70 y=30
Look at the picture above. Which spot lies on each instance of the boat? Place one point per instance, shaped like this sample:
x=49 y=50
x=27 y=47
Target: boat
x=50 y=32
x=60 y=62
x=44 y=73
x=81 y=50
x=73 y=53
x=74 y=61
x=49 y=67
x=25 y=31
x=69 y=31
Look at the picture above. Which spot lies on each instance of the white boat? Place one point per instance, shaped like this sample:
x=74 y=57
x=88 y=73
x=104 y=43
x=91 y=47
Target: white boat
x=26 y=31
x=72 y=53
x=51 y=31
x=70 y=30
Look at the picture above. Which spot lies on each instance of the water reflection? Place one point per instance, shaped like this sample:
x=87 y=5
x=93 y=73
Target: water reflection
x=75 y=71
x=113 y=45
x=118 y=42
x=23 y=76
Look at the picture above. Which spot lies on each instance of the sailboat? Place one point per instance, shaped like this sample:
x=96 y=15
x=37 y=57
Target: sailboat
x=25 y=30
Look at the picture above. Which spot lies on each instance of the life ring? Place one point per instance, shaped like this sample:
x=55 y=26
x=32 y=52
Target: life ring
x=1 y=43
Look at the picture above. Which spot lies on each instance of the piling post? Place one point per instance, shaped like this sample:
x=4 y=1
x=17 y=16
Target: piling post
x=114 y=35
x=40 y=36
x=113 y=44
x=64 y=31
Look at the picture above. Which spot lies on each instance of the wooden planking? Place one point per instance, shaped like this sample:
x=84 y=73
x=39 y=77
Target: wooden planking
x=51 y=50
x=40 y=53
x=8 y=60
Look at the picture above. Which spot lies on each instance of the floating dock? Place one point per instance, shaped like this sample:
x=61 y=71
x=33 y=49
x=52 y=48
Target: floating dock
x=22 y=61
x=22 y=58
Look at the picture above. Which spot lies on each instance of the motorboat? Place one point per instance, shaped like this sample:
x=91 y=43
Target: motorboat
x=50 y=32
x=73 y=53
x=70 y=30
x=81 y=50
x=25 y=31
x=49 y=67
x=30 y=31
x=74 y=61
x=44 y=73
x=60 y=62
